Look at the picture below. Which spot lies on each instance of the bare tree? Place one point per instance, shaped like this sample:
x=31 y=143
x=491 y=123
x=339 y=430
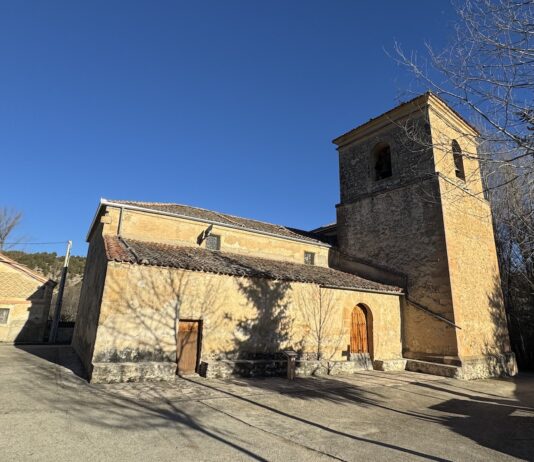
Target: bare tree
x=513 y=217
x=9 y=220
x=488 y=69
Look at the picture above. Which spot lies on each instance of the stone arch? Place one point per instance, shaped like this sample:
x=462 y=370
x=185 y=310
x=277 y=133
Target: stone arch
x=381 y=161
x=361 y=335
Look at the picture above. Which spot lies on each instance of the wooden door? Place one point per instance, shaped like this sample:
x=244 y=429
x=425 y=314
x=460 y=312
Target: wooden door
x=187 y=347
x=358 y=334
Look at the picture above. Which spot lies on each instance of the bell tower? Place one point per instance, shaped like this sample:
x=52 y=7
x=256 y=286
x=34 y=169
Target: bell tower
x=412 y=201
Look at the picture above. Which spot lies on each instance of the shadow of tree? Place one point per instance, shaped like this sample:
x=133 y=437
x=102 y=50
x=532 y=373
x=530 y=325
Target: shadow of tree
x=264 y=330
x=501 y=337
x=266 y=333
x=144 y=316
x=496 y=349
x=494 y=417
x=160 y=406
x=324 y=389
x=504 y=425
x=516 y=330
x=112 y=407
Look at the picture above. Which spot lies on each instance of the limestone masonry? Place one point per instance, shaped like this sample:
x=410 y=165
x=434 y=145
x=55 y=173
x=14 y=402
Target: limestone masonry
x=24 y=303
x=406 y=278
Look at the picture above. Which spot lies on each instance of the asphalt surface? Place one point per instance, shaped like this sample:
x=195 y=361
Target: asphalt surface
x=49 y=413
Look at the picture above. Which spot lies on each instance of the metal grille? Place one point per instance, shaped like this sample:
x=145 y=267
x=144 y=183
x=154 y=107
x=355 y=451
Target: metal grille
x=309 y=258
x=213 y=242
x=4 y=313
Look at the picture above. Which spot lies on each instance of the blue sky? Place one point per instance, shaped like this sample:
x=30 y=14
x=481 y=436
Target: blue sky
x=230 y=105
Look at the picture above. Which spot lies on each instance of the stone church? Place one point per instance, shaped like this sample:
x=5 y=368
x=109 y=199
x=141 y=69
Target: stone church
x=407 y=277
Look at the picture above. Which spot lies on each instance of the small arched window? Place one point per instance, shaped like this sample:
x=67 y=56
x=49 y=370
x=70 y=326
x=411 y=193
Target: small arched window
x=458 y=160
x=382 y=161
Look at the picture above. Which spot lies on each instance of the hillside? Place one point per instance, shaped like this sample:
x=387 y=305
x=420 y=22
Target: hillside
x=49 y=264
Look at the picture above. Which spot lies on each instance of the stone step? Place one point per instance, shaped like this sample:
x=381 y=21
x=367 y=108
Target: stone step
x=426 y=367
x=430 y=358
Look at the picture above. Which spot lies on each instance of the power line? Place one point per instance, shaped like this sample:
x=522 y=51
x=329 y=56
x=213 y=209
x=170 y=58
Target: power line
x=34 y=243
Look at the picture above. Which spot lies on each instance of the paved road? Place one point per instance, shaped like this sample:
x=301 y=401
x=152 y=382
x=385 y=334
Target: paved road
x=48 y=413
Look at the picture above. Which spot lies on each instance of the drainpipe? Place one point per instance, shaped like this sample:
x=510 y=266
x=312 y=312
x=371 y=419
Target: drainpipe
x=119 y=227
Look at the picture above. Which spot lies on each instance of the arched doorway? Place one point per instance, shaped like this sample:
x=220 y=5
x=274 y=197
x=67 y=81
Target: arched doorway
x=361 y=333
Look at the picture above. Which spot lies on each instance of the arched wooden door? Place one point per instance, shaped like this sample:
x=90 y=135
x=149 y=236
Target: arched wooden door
x=358 y=335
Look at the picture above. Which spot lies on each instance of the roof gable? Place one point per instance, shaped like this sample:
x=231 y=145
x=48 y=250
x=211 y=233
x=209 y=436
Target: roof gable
x=25 y=270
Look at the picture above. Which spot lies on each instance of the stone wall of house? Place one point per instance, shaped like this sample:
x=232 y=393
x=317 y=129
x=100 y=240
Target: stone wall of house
x=28 y=301
x=243 y=319
x=88 y=314
x=146 y=226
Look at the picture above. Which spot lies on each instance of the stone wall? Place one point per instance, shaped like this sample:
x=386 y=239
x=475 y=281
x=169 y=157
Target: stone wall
x=224 y=369
x=87 y=318
x=410 y=160
x=471 y=253
x=474 y=274
x=397 y=222
x=425 y=222
x=28 y=301
x=152 y=227
x=404 y=227
x=243 y=319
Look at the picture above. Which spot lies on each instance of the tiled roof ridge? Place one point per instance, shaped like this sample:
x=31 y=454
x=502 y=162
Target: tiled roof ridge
x=223 y=214
x=234 y=220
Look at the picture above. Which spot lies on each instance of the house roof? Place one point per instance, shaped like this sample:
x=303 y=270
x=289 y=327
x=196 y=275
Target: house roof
x=24 y=269
x=323 y=228
x=200 y=259
x=223 y=219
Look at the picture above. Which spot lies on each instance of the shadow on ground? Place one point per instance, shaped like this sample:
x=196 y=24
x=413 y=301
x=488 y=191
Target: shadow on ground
x=63 y=356
x=504 y=425
x=495 y=414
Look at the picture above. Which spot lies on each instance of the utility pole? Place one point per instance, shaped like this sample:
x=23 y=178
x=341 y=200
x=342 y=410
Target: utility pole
x=59 y=301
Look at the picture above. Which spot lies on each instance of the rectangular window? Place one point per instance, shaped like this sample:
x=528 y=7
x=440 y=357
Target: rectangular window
x=213 y=242
x=4 y=313
x=309 y=258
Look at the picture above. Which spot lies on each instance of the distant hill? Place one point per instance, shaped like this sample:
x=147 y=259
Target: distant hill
x=50 y=264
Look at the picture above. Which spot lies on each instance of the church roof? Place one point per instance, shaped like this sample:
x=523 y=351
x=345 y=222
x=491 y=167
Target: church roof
x=224 y=219
x=416 y=103
x=231 y=264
